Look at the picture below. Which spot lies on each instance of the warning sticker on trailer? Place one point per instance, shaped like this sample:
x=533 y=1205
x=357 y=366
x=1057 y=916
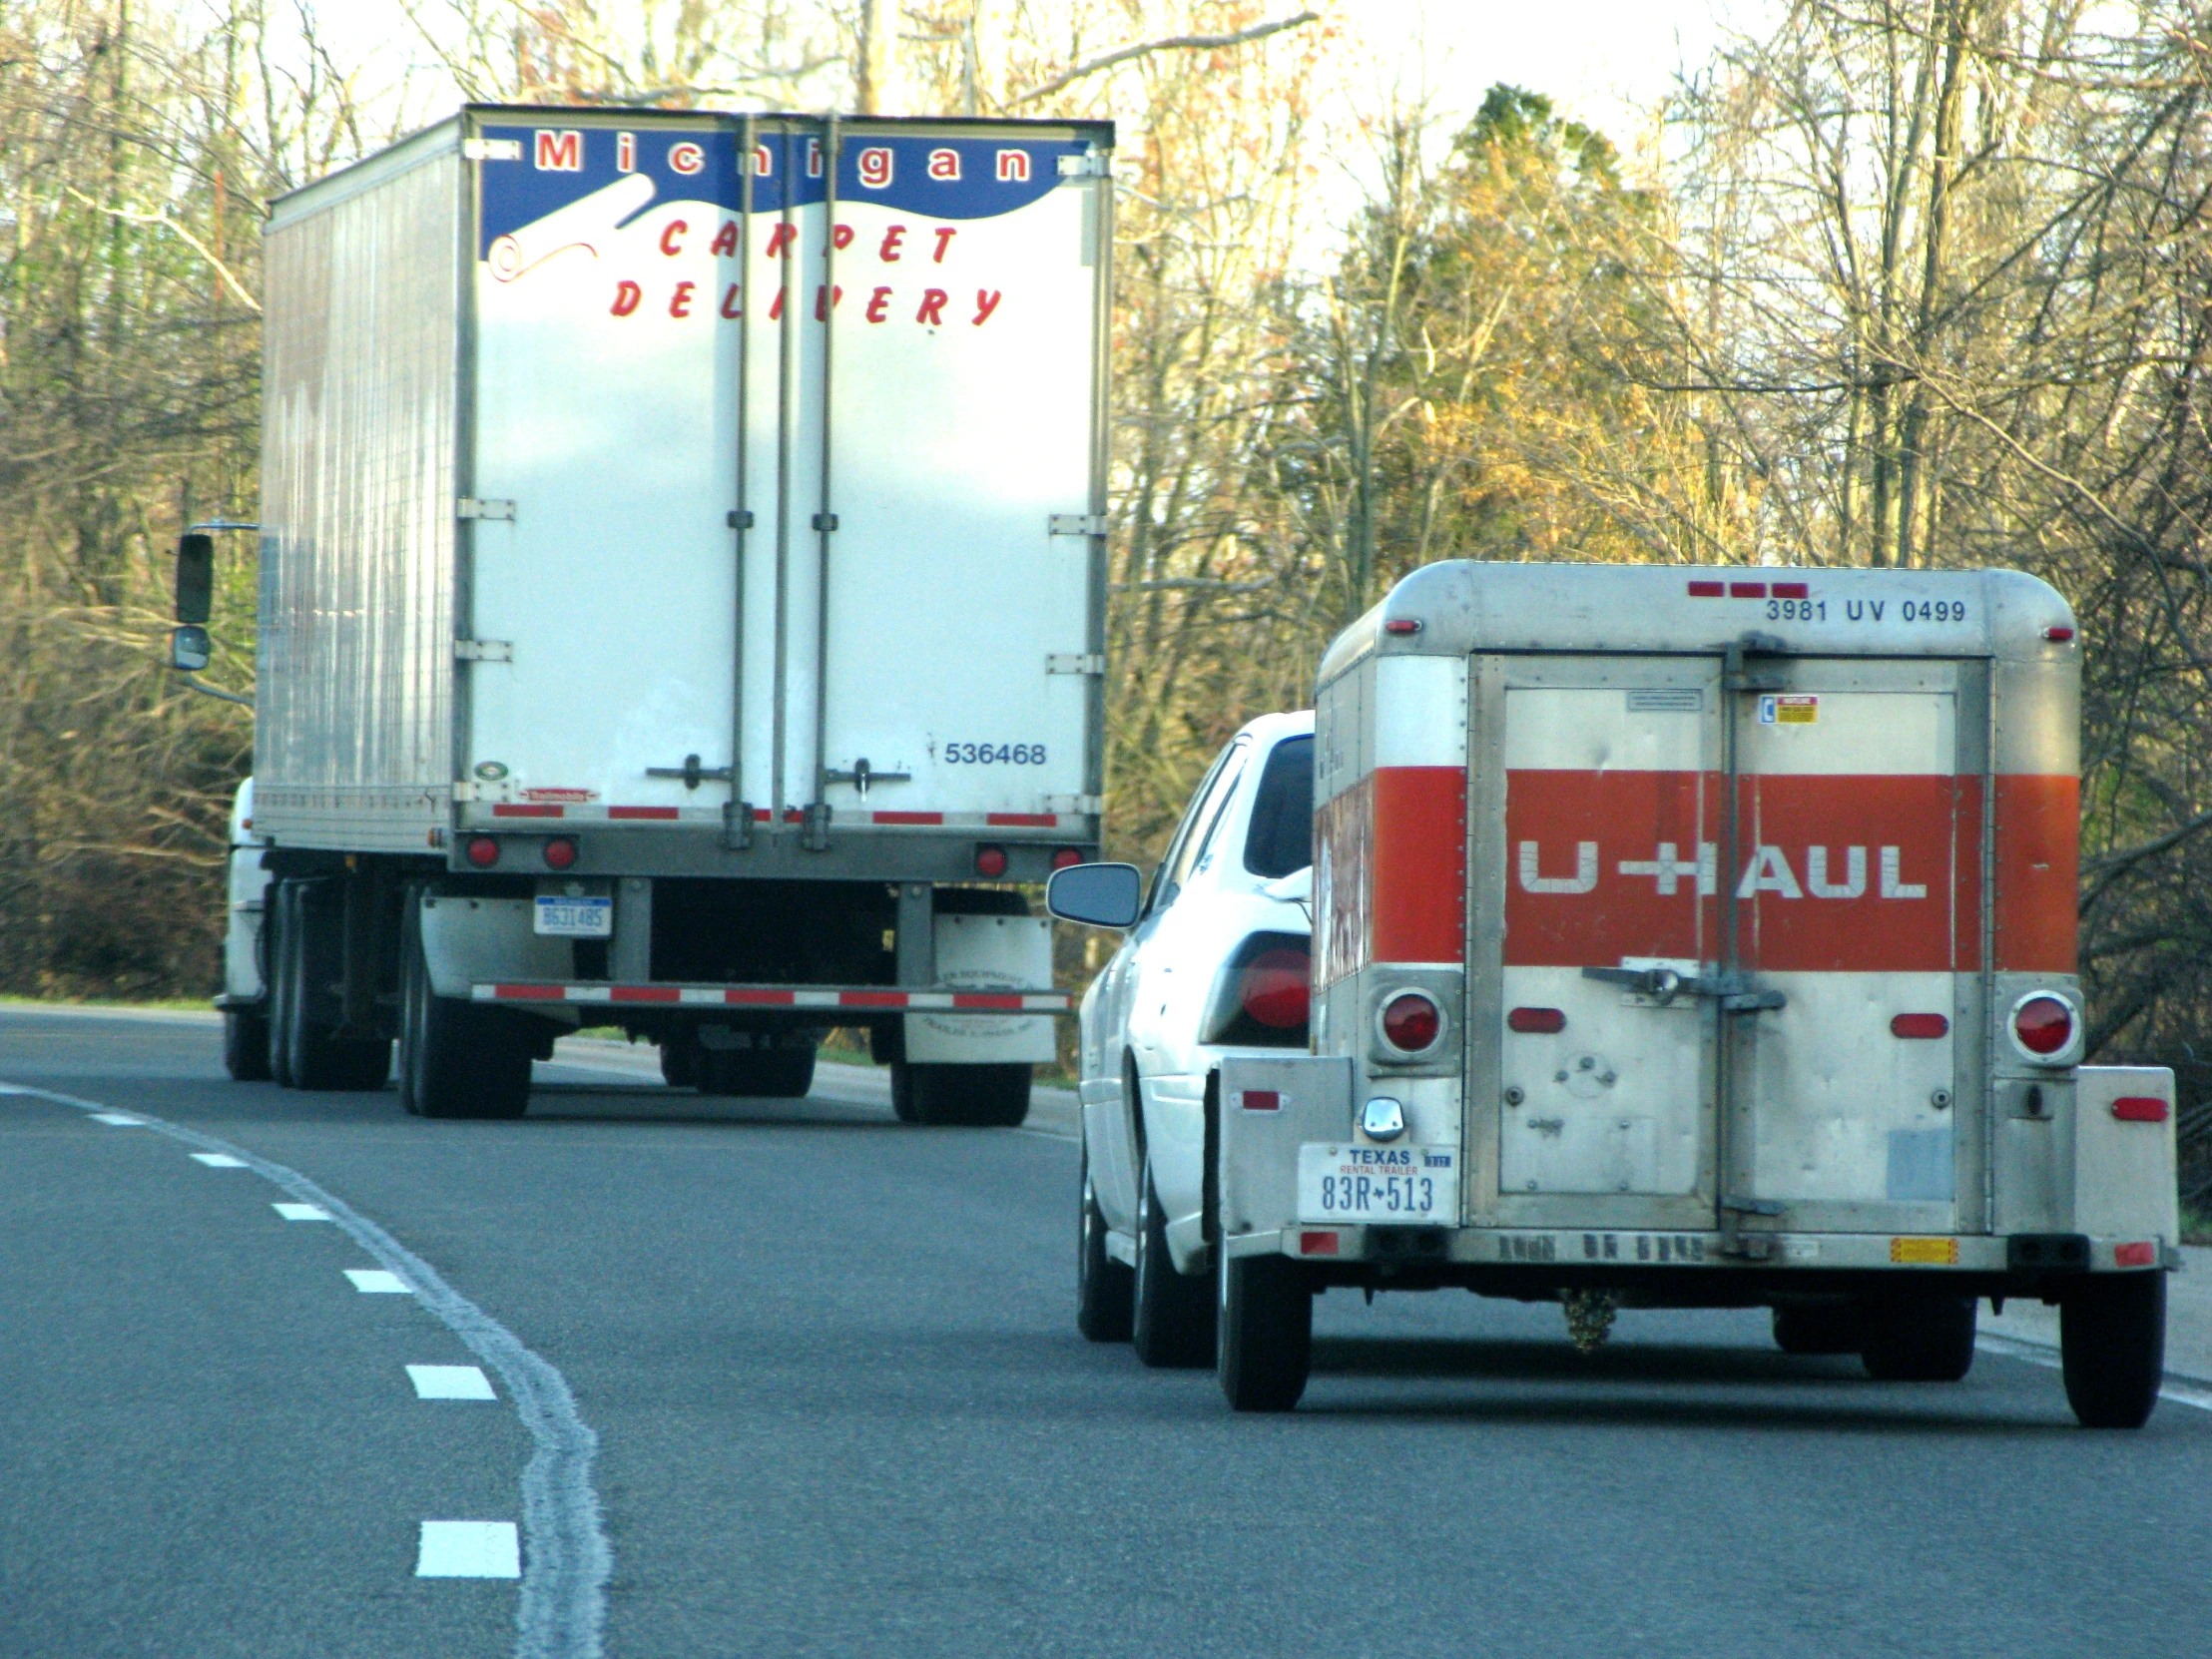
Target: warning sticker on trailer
x=1779 y=710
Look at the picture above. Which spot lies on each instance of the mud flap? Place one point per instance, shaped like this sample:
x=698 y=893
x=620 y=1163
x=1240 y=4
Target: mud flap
x=1269 y=1109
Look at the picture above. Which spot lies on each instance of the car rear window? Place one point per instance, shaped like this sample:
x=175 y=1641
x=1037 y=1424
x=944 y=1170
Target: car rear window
x=1281 y=838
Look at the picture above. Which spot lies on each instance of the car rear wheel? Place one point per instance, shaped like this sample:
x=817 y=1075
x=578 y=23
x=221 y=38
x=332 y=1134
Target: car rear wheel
x=2112 y=1345
x=1105 y=1290
x=1172 y=1324
x=1266 y=1333
x=1918 y=1339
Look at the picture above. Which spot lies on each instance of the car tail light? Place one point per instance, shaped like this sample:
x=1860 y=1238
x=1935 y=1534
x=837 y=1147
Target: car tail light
x=1412 y=1022
x=2044 y=1025
x=2058 y=636
x=1067 y=858
x=990 y=861
x=1536 y=1021
x=560 y=851
x=483 y=851
x=1920 y=1026
x=1276 y=986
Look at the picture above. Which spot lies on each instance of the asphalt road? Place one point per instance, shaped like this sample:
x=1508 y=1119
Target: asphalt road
x=810 y=1380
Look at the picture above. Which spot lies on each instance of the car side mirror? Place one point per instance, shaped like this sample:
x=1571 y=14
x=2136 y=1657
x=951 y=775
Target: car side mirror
x=189 y=649
x=1097 y=895
x=194 y=579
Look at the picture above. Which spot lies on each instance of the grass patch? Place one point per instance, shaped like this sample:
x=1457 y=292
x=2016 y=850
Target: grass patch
x=2196 y=1226
x=175 y=1004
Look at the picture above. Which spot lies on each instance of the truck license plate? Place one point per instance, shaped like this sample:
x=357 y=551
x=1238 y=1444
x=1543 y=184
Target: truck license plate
x=576 y=918
x=1407 y=1183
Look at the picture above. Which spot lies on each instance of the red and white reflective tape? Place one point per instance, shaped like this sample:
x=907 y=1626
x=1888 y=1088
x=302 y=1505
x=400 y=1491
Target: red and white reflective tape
x=781 y=996
x=570 y=813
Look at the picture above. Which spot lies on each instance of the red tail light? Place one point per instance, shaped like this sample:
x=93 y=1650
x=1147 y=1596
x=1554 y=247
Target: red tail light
x=990 y=861
x=2139 y=1108
x=2043 y=1025
x=1066 y=858
x=1276 y=987
x=483 y=851
x=1412 y=1022
x=560 y=852
x=1536 y=1021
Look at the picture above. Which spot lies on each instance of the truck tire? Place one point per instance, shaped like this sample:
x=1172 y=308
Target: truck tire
x=1918 y=1339
x=276 y=982
x=2113 y=1346
x=456 y=1060
x=246 y=1044
x=969 y=1096
x=304 y=1053
x=680 y=1060
x=1266 y=1334
x=902 y=1092
x=756 y=1073
x=1105 y=1290
x=1171 y=1323
x=1820 y=1328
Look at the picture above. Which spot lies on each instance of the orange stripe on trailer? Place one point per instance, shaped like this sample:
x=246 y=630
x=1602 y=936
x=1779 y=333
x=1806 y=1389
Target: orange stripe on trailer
x=527 y=810
x=530 y=993
x=757 y=1000
x=1418 y=902
x=644 y=812
x=2038 y=854
x=872 y=1000
x=645 y=994
x=1022 y=821
x=985 y=1000
x=906 y=818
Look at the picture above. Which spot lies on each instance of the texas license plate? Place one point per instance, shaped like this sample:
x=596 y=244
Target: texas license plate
x=1407 y=1183
x=576 y=918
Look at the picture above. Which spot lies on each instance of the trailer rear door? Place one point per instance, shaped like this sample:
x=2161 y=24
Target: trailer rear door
x=1659 y=1067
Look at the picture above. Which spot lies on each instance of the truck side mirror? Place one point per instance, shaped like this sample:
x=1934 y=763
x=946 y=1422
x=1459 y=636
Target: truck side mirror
x=188 y=649
x=1098 y=895
x=194 y=579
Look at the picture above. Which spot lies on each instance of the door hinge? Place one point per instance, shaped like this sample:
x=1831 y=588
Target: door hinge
x=1073 y=661
x=483 y=651
x=1091 y=163
x=470 y=506
x=1084 y=805
x=1077 y=524
x=473 y=789
x=814 y=831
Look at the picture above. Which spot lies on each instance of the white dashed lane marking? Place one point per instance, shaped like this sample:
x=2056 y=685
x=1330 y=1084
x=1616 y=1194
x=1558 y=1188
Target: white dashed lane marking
x=302 y=1212
x=376 y=1281
x=217 y=1160
x=468 y=1549
x=449 y=1382
x=119 y=1120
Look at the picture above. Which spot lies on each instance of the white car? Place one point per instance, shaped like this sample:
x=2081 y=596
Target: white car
x=1217 y=962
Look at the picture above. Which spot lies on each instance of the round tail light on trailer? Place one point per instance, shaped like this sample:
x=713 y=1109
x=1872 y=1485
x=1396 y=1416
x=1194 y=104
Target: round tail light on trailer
x=1067 y=858
x=1412 y=1022
x=2043 y=1025
x=1276 y=989
x=560 y=851
x=483 y=851
x=990 y=861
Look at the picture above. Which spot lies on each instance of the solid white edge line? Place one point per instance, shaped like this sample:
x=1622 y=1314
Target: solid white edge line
x=561 y=1612
x=2182 y=1391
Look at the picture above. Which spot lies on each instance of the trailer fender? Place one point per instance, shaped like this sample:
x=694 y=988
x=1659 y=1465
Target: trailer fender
x=468 y=942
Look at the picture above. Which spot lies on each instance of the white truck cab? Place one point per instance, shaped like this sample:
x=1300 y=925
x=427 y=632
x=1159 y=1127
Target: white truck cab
x=1703 y=938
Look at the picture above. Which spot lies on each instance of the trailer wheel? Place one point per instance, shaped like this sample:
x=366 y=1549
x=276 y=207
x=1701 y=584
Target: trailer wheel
x=969 y=1096
x=304 y=1053
x=246 y=1044
x=1820 y=1328
x=679 y=1060
x=759 y=1073
x=1918 y=1339
x=1172 y=1321
x=456 y=1060
x=1105 y=1290
x=277 y=933
x=1266 y=1313
x=2113 y=1346
x=902 y=1092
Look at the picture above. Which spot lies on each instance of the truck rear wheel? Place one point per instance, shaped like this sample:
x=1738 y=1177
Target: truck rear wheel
x=1105 y=1290
x=967 y=1096
x=1918 y=1339
x=902 y=1092
x=456 y=1060
x=1266 y=1336
x=1172 y=1324
x=2113 y=1346
x=761 y=1073
x=1820 y=1328
x=680 y=1060
x=246 y=1044
x=304 y=1053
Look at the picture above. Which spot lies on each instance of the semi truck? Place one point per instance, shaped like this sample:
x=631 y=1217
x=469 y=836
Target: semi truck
x=1702 y=938
x=681 y=594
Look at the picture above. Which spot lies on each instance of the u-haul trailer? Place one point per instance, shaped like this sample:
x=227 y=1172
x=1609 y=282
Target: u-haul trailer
x=1703 y=938
x=681 y=598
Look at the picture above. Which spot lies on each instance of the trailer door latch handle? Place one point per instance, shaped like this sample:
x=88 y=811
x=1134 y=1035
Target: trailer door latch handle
x=692 y=773
x=862 y=774
x=1732 y=991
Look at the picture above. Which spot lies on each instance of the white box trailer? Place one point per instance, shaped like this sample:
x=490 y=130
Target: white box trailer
x=682 y=586
x=1704 y=938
